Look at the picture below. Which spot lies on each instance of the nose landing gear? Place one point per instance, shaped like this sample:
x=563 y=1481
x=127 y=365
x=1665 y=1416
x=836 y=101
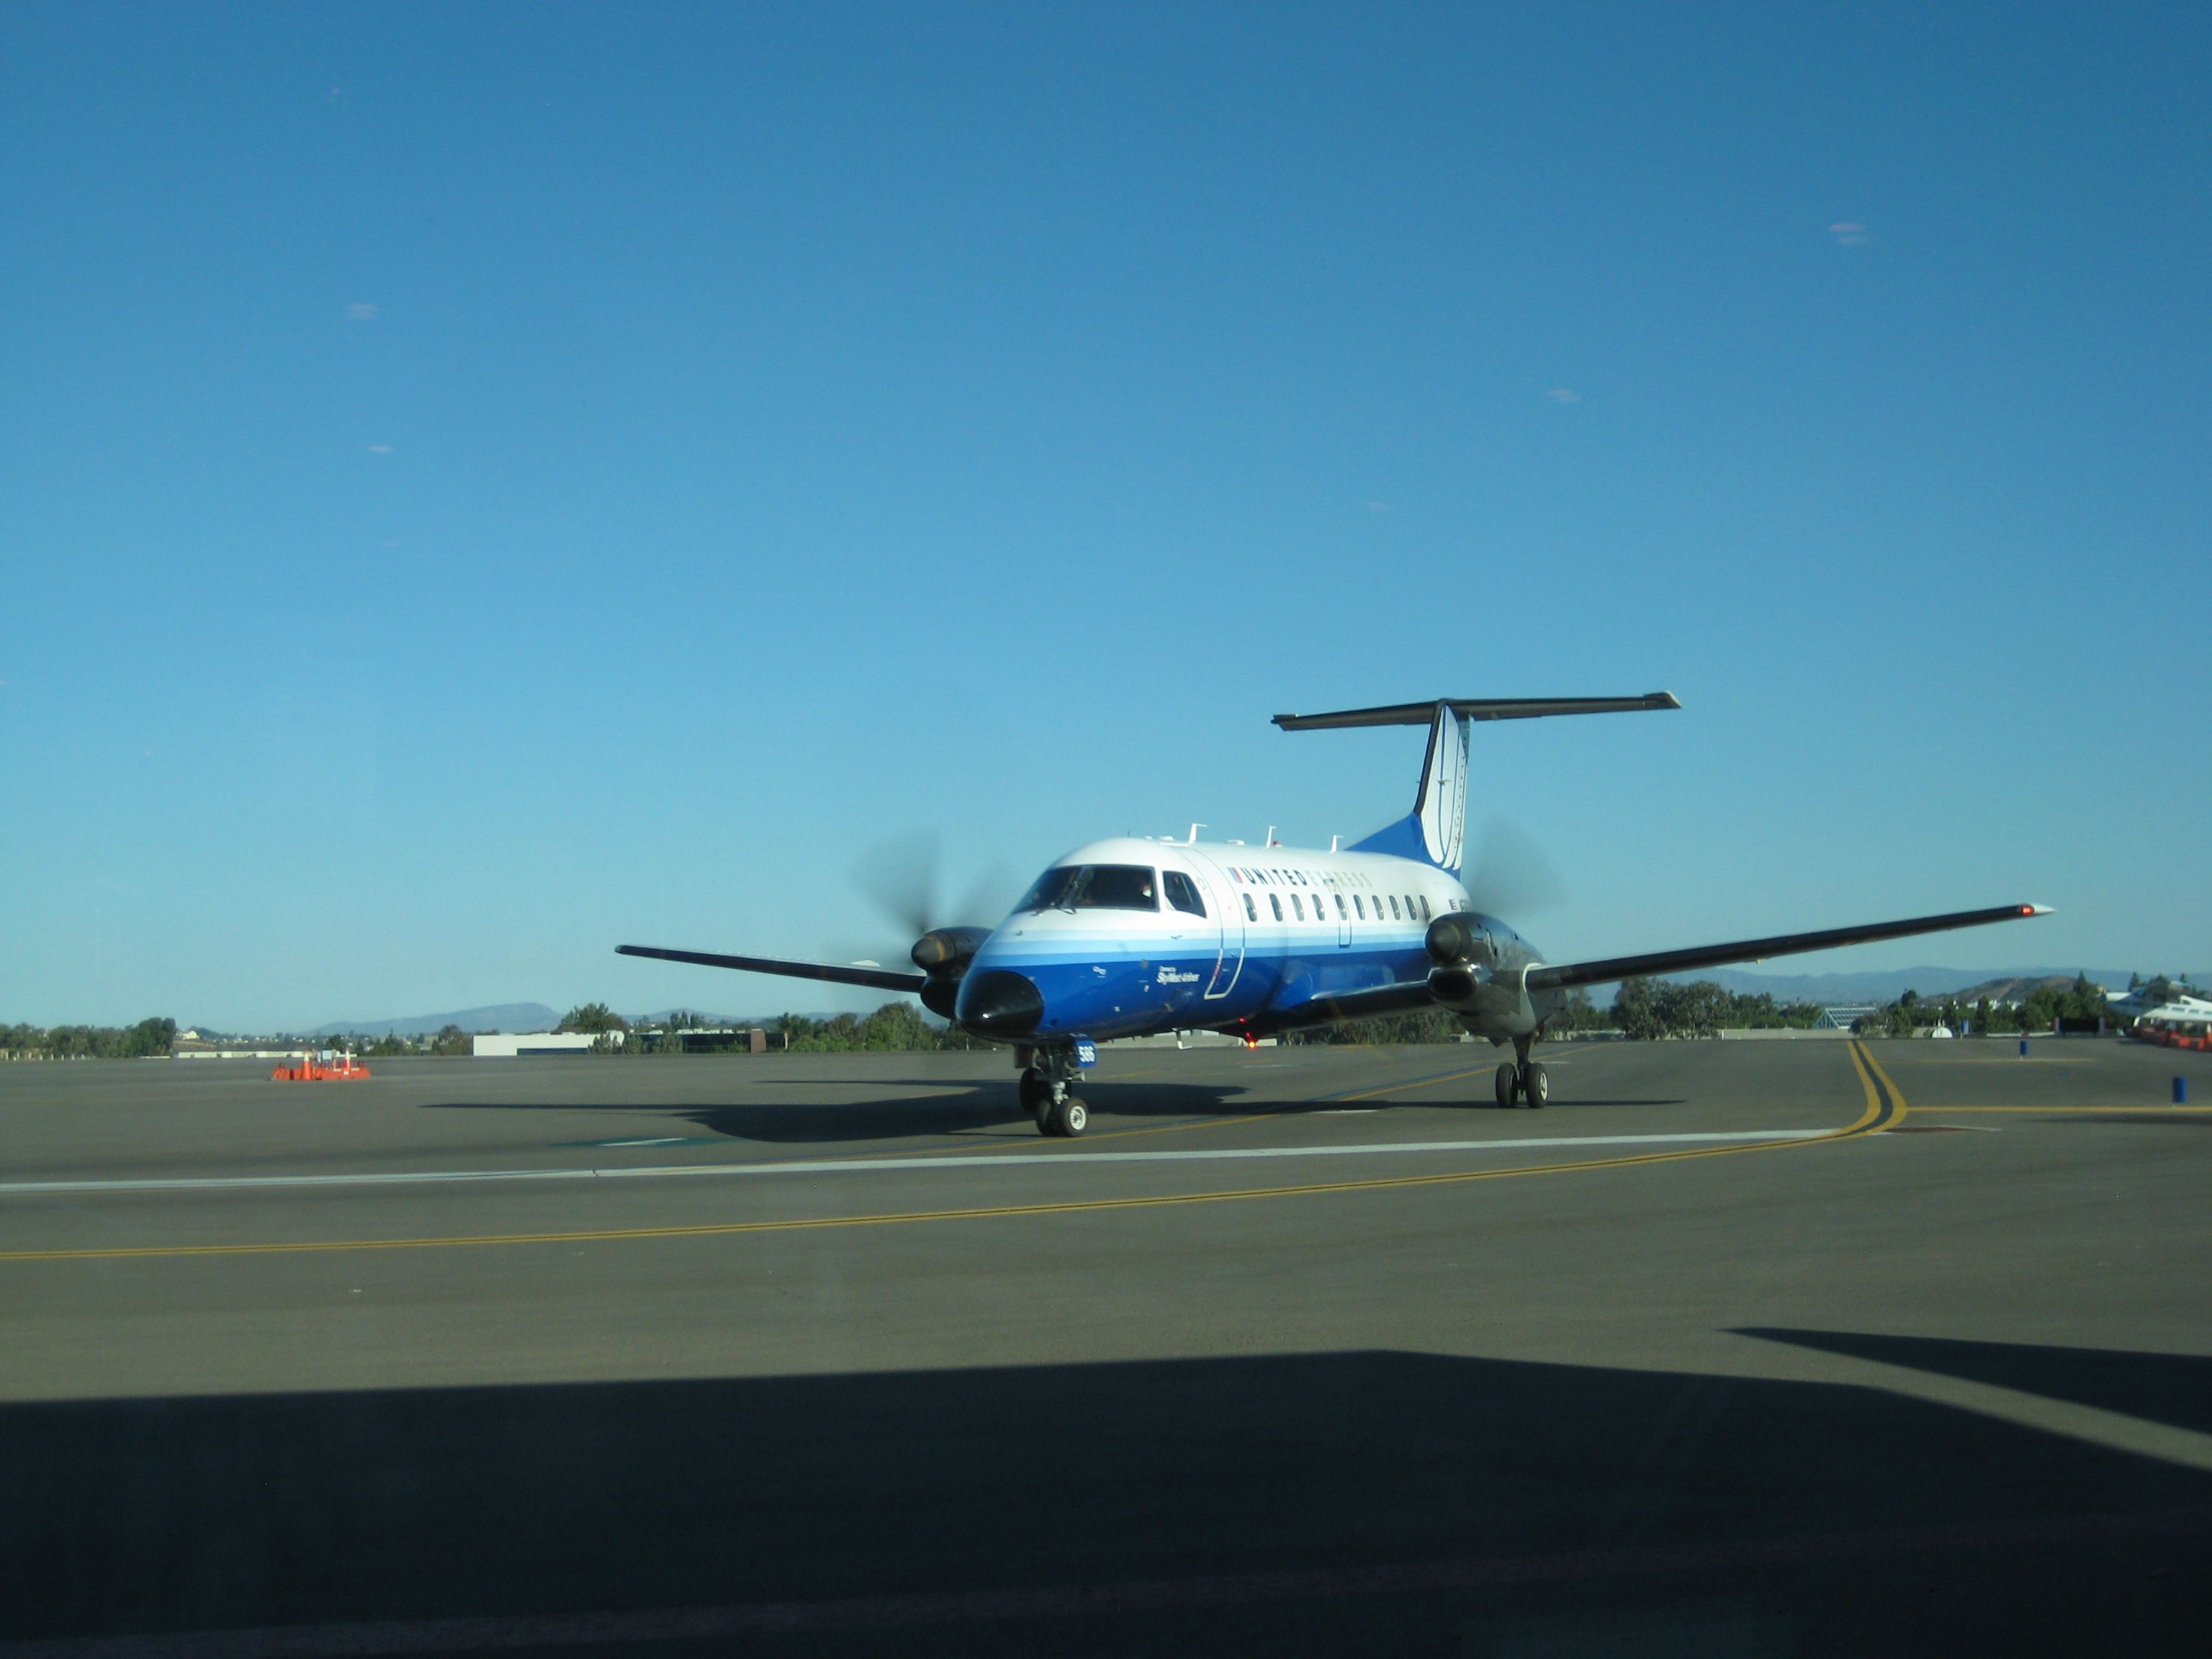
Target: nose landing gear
x=1047 y=1097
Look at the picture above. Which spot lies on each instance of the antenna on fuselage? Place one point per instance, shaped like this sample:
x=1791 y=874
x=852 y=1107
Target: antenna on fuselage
x=1194 y=828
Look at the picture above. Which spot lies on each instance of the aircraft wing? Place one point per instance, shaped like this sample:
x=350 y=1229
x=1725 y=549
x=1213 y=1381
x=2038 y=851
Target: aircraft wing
x=880 y=979
x=1558 y=976
x=1404 y=998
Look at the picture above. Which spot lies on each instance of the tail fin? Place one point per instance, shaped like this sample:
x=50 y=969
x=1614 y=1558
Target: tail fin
x=1435 y=831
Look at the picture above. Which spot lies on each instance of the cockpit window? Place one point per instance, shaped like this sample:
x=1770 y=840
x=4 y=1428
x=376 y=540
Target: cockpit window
x=1182 y=892
x=1094 y=887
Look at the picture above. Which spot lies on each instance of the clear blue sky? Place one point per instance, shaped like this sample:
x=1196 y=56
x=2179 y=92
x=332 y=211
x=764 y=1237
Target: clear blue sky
x=482 y=483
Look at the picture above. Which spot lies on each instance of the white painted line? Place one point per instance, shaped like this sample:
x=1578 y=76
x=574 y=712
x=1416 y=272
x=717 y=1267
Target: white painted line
x=660 y=1141
x=872 y=1165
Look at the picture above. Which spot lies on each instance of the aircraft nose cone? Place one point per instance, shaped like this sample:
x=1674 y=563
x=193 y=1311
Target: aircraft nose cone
x=996 y=1003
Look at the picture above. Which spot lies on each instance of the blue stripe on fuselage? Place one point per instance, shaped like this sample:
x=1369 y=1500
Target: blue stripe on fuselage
x=1111 y=984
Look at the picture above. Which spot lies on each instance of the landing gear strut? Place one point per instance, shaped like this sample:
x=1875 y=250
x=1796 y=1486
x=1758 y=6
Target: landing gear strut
x=1048 y=1094
x=1525 y=1080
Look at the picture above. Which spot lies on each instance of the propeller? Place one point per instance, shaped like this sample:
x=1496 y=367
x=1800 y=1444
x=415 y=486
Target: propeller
x=1511 y=876
x=901 y=875
x=905 y=877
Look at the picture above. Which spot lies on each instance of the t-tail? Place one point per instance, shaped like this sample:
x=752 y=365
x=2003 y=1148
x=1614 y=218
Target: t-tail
x=1435 y=831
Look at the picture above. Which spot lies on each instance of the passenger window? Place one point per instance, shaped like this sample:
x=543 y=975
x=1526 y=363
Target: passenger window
x=1275 y=902
x=1425 y=906
x=1342 y=914
x=1250 y=914
x=1182 y=893
x=1357 y=908
x=1297 y=908
x=1394 y=907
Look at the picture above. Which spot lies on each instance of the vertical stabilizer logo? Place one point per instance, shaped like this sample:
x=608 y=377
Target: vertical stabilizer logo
x=1444 y=789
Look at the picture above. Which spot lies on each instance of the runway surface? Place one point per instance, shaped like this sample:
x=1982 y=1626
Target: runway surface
x=1777 y=1347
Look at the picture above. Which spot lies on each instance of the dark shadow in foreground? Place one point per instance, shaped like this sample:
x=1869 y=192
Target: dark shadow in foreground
x=1381 y=1502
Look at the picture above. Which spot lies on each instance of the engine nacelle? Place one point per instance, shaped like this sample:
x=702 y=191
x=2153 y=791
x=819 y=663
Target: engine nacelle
x=1454 y=941
x=946 y=952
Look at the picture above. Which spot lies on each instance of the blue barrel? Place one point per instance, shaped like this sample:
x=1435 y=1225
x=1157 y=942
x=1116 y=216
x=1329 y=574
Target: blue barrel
x=2181 y=1091
x=2023 y=1047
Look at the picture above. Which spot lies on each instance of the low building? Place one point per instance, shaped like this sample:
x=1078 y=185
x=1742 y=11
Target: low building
x=499 y=1045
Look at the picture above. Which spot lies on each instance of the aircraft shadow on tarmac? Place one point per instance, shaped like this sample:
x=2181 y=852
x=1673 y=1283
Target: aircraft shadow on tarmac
x=940 y=1111
x=985 y=1106
x=1381 y=1502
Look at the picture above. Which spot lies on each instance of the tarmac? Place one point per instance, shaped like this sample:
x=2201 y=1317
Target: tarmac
x=1736 y=1348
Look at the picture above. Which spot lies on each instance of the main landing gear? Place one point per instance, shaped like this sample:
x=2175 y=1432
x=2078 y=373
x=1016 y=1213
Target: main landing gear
x=1525 y=1081
x=1047 y=1096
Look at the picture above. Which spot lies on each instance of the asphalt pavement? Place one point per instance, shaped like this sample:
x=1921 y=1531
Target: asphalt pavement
x=1771 y=1347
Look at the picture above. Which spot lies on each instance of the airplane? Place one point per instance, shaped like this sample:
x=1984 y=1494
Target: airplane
x=1130 y=937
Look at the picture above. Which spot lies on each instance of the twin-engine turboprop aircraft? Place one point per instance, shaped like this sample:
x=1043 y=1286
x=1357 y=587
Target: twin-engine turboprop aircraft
x=1126 y=937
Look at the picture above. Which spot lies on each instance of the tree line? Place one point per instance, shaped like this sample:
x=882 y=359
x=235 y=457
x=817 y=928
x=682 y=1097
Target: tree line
x=147 y=1038
x=2039 y=1011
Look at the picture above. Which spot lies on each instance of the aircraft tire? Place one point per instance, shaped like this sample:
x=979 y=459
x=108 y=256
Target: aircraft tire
x=1070 y=1117
x=1508 y=1084
x=1536 y=1087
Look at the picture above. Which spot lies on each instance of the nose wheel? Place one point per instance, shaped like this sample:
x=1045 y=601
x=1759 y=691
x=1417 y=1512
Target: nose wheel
x=1066 y=1117
x=1048 y=1099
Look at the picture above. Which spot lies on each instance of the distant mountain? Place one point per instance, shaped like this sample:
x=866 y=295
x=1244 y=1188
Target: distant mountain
x=499 y=1016
x=1888 y=985
x=2019 y=989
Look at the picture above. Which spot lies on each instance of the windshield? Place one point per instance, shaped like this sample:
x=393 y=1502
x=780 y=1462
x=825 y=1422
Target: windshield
x=1094 y=887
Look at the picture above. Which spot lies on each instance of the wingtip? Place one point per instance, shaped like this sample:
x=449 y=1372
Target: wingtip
x=2035 y=909
x=1663 y=699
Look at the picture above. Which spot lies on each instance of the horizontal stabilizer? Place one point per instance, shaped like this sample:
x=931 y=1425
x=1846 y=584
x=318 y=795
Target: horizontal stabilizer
x=1476 y=709
x=1559 y=975
x=880 y=979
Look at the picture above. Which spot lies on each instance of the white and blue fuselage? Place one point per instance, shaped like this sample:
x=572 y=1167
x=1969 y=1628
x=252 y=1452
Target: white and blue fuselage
x=1128 y=936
